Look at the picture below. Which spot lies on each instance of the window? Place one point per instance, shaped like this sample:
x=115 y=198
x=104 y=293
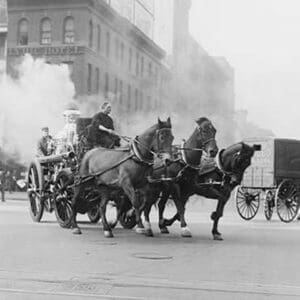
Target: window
x=107 y=44
x=121 y=91
x=117 y=49
x=141 y=100
x=116 y=87
x=150 y=69
x=122 y=53
x=129 y=96
x=69 y=33
x=98 y=38
x=136 y=96
x=91 y=34
x=149 y=102
x=97 y=81
x=130 y=59
x=89 y=79
x=142 y=66
x=46 y=31
x=23 y=32
x=106 y=86
x=137 y=64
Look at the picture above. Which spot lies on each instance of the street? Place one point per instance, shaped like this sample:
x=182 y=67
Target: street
x=257 y=259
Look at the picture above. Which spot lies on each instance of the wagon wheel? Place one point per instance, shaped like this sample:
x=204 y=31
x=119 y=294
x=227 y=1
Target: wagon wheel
x=247 y=203
x=34 y=190
x=269 y=205
x=94 y=214
x=287 y=201
x=63 y=200
x=127 y=219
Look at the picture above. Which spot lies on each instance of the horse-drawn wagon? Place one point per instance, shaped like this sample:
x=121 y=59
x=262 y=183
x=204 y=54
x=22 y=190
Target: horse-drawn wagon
x=274 y=176
x=51 y=181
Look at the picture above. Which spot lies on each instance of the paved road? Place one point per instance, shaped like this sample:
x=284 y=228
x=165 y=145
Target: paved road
x=257 y=260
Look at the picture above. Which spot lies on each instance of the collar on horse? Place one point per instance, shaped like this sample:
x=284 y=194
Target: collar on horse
x=220 y=164
x=182 y=149
x=138 y=155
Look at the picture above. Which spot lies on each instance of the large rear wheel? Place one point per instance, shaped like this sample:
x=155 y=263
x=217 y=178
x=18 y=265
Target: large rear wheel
x=34 y=191
x=247 y=202
x=287 y=201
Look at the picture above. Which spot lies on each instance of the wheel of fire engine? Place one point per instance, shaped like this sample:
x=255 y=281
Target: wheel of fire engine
x=63 y=199
x=94 y=214
x=34 y=191
x=247 y=203
x=287 y=201
x=127 y=219
x=269 y=205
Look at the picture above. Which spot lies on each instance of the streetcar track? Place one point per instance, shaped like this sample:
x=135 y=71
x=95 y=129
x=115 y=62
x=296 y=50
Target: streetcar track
x=107 y=284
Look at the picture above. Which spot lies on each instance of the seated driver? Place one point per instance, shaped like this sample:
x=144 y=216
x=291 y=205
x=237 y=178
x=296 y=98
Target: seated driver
x=102 y=129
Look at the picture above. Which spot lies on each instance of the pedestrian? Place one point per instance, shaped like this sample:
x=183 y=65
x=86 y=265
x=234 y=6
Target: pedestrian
x=2 y=184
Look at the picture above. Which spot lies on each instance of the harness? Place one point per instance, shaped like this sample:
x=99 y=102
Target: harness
x=135 y=155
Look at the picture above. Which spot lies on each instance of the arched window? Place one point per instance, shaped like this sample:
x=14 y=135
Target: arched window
x=69 y=32
x=98 y=38
x=91 y=34
x=23 y=32
x=107 y=44
x=46 y=31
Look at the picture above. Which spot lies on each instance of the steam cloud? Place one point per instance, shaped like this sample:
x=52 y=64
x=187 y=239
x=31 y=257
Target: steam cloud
x=36 y=99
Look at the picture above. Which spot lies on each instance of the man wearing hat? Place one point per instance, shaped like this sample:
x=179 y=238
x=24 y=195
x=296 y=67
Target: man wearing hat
x=44 y=144
x=102 y=129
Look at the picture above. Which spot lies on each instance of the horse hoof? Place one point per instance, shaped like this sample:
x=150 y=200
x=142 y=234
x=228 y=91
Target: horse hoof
x=140 y=230
x=108 y=234
x=185 y=232
x=164 y=230
x=77 y=231
x=218 y=237
x=149 y=232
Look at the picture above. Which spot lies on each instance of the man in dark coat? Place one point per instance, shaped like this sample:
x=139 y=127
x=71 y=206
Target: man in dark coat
x=44 y=144
x=102 y=129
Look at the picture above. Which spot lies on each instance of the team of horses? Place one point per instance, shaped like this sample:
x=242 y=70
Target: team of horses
x=153 y=167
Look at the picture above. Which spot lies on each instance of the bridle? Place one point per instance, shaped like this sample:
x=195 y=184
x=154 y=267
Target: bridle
x=135 y=143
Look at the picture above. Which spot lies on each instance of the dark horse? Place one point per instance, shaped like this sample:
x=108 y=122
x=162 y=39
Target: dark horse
x=216 y=183
x=164 y=180
x=109 y=170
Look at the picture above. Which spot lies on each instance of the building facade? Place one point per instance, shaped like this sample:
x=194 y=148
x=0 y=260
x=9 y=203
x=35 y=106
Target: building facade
x=107 y=55
x=3 y=36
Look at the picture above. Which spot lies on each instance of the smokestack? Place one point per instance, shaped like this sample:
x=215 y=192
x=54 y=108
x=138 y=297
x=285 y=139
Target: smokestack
x=3 y=36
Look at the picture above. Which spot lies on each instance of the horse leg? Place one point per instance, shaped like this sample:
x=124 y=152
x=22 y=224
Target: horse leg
x=136 y=203
x=180 y=205
x=76 y=198
x=215 y=216
x=162 y=223
x=102 y=208
x=151 y=198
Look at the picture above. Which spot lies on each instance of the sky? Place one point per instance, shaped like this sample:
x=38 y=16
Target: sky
x=261 y=40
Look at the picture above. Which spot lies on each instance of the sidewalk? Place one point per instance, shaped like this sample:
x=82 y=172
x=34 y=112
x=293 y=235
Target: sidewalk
x=19 y=196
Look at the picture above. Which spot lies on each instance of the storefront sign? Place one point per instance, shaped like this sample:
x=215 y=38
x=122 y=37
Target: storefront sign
x=41 y=51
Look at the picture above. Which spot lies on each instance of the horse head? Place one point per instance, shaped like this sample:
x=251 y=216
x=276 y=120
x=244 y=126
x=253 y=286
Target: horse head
x=162 y=144
x=205 y=134
x=156 y=139
x=235 y=159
